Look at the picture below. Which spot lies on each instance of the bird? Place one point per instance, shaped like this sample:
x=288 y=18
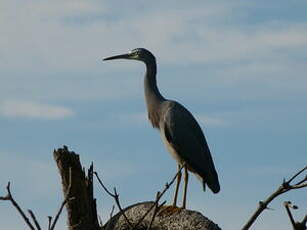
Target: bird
x=180 y=132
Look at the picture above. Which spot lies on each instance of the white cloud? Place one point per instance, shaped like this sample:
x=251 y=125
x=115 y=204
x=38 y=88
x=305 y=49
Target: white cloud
x=41 y=33
x=46 y=38
x=27 y=109
x=52 y=38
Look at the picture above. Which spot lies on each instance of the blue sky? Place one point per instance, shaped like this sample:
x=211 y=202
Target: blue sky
x=239 y=66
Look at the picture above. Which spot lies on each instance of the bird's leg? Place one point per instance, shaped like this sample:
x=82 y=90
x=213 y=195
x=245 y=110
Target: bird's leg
x=177 y=185
x=186 y=178
x=169 y=210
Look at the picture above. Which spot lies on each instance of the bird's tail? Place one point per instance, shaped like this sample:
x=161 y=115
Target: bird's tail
x=213 y=185
x=210 y=176
x=211 y=179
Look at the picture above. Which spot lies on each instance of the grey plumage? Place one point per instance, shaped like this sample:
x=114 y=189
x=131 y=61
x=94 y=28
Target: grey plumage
x=186 y=137
x=179 y=130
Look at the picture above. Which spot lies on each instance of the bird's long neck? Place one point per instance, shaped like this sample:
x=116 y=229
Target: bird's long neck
x=153 y=96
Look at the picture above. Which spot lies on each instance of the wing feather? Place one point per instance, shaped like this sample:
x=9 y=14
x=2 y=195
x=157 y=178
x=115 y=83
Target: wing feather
x=185 y=135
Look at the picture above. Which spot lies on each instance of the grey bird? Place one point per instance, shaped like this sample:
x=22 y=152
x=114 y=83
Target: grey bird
x=179 y=130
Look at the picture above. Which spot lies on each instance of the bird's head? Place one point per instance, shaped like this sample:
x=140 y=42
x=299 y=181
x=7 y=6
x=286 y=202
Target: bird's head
x=139 y=54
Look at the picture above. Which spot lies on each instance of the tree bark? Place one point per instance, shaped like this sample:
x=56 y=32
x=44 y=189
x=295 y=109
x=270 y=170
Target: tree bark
x=81 y=209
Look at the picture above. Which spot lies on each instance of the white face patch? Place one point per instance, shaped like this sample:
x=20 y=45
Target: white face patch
x=133 y=54
x=134 y=51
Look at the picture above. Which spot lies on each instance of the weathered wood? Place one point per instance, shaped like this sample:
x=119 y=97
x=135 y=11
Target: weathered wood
x=81 y=210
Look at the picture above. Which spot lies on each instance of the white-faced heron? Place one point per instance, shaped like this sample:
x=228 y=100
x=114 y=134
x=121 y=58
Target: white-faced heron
x=179 y=130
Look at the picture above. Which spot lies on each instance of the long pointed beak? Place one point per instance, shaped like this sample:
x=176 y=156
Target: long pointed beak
x=122 y=56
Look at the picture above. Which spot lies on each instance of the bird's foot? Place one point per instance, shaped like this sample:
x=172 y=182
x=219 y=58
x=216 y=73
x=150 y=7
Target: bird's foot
x=168 y=210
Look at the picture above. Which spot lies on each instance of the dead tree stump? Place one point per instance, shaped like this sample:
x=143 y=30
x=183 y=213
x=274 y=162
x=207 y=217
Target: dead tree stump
x=81 y=209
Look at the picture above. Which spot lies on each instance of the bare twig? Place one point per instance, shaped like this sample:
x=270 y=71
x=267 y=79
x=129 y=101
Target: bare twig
x=159 y=195
x=301 y=181
x=295 y=175
x=51 y=225
x=66 y=199
x=38 y=227
x=10 y=198
x=116 y=198
x=157 y=207
x=111 y=215
x=284 y=187
x=296 y=225
x=287 y=205
x=49 y=222
x=155 y=211
x=103 y=186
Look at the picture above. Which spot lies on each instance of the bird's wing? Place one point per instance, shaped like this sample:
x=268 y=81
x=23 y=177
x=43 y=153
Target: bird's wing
x=185 y=135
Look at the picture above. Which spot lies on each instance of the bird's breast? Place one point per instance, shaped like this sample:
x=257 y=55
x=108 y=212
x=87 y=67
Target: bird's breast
x=169 y=146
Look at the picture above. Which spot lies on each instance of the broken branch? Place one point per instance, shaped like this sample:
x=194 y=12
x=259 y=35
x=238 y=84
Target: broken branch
x=284 y=187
